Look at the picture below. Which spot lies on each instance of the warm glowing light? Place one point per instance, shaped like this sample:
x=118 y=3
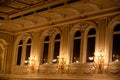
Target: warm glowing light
x=91 y=58
x=61 y=64
x=77 y=61
x=113 y=55
x=32 y=65
x=54 y=60
x=26 y=61
x=117 y=60
x=99 y=61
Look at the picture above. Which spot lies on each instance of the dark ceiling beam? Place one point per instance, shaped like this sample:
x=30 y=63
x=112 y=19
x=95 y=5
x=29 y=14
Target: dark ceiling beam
x=12 y=7
x=4 y=12
x=23 y=2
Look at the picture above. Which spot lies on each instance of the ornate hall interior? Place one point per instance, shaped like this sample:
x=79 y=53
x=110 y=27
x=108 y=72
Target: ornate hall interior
x=59 y=39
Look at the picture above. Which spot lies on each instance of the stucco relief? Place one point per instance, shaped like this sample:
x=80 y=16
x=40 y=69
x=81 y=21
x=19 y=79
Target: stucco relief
x=73 y=70
x=114 y=68
x=43 y=69
x=53 y=69
x=20 y=70
x=88 y=69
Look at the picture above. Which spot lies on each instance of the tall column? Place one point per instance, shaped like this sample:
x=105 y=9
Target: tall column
x=51 y=46
x=35 y=46
x=50 y=51
x=82 y=46
x=9 y=54
x=64 y=43
x=5 y=58
x=102 y=34
x=83 y=58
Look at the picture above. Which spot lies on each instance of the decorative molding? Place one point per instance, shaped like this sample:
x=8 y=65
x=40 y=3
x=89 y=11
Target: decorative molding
x=83 y=26
x=114 y=68
x=88 y=69
x=73 y=70
x=20 y=70
x=51 y=32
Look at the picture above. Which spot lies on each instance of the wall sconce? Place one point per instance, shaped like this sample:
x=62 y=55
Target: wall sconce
x=32 y=66
x=99 y=61
x=61 y=64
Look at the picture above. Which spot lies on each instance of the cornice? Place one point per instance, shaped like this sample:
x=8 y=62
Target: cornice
x=88 y=16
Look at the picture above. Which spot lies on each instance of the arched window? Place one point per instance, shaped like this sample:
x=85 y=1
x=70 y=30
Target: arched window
x=45 y=51
x=20 y=47
x=76 y=47
x=23 y=52
x=91 y=45
x=116 y=43
x=28 y=49
x=56 y=47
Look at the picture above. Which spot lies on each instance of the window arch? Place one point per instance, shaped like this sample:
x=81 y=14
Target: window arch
x=116 y=43
x=45 y=50
x=56 y=47
x=91 y=45
x=23 y=51
x=76 y=47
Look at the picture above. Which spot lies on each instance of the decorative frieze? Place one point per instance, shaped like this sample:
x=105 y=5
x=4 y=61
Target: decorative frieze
x=20 y=70
x=114 y=68
x=88 y=69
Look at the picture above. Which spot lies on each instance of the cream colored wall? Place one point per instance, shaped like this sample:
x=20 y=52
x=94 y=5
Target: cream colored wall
x=7 y=43
x=102 y=35
x=35 y=46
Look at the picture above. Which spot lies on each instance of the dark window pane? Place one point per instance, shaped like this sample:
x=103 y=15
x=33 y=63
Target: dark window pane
x=28 y=48
x=76 y=50
x=45 y=53
x=29 y=41
x=77 y=34
x=116 y=47
x=90 y=48
x=21 y=42
x=117 y=27
x=57 y=36
x=56 y=49
x=19 y=55
x=47 y=38
x=92 y=31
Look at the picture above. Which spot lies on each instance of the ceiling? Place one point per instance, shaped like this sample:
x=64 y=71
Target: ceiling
x=20 y=15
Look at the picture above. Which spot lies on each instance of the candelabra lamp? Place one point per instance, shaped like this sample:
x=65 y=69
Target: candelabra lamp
x=99 y=62
x=32 y=66
x=61 y=64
